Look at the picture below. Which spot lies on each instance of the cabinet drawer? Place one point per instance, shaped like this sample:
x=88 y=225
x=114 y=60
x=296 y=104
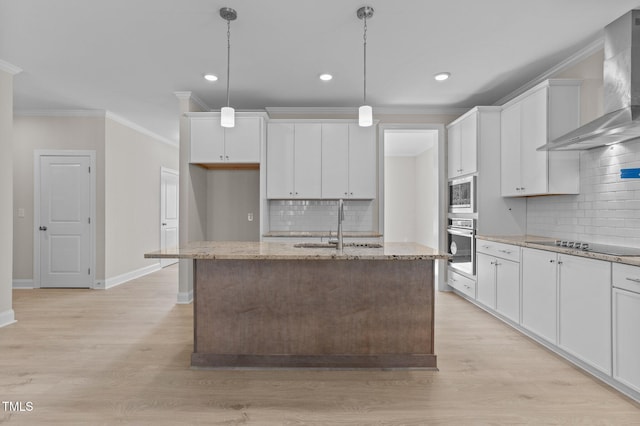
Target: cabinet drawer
x=626 y=277
x=462 y=284
x=504 y=251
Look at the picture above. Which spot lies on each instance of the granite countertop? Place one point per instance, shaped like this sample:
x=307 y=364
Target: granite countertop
x=530 y=242
x=287 y=251
x=320 y=234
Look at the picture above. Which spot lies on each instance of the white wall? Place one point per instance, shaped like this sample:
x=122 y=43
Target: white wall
x=427 y=226
x=6 y=194
x=132 y=197
x=53 y=133
x=231 y=195
x=400 y=199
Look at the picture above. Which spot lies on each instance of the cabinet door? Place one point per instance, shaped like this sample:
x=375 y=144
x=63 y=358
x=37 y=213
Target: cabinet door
x=508 y=289
x=335 y=160
x=469 y=144
x=453 y=150
x=486 y=280
x=280 y=161
x=362 y=162
x=585 y=310
x=510 y=151
x=626 y=338
x=207 y=140
x=242 y=142
x=539 y=293
x=534 y=131
x=307 y=160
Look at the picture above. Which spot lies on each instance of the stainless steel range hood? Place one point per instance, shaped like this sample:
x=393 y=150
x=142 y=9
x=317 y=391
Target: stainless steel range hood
x=621 y=121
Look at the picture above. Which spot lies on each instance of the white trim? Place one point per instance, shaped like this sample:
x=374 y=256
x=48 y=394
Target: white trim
x=580 y=55
x=23 y=284
x=10 y=68
x=194 y=98
x=185 y=298
x=132 y=275
x=60 y=113
x=386 y=110
x=138 y=128
x=36 y=207
x=7 y=317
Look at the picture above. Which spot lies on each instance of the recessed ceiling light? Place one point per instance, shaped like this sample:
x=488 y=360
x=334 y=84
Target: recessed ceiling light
x=210 y=77
x=442 y=76
x=326 y=77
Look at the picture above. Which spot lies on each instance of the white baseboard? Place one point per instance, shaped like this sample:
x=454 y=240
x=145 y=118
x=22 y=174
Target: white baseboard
x=26 y=284
x=7 y=317
x=184 y=298
x=123 y=278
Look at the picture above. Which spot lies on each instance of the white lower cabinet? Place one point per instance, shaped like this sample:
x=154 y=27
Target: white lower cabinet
x=462 y=284
x=498 y=274
x=540 y=293
x=626 y=321
x=584 y=298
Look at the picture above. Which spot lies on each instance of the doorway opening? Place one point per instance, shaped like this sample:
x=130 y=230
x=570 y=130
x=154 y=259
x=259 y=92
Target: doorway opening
x=413 y=201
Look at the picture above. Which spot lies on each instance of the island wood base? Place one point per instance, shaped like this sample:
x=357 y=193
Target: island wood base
x=314 y=313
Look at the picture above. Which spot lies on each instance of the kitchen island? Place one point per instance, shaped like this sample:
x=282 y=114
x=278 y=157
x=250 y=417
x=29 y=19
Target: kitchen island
x=278 y=305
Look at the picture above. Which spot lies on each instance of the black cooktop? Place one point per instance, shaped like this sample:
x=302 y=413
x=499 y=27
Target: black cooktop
x=590 y=247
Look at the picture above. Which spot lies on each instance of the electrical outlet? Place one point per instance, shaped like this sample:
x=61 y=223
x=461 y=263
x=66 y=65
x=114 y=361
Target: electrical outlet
x=250 y=217
x=20 y=212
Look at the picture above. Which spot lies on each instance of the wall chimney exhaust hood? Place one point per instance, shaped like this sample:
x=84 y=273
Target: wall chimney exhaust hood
x=621 y=121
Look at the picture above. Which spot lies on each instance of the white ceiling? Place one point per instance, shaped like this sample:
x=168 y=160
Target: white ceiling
x=129 y=57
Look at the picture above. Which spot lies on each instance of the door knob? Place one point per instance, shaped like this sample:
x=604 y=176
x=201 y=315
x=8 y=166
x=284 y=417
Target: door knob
x=164 y=224
x=43 y=228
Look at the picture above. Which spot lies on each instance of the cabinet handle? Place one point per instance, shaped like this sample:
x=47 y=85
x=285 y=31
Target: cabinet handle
x=486 y=247
x=560 y=262
x=505 y=251
x=221 y=157
x=351 y=193
x=291 y=193
x=552 y=261
x=296 y=193
x=635 y=280
x=227 y=157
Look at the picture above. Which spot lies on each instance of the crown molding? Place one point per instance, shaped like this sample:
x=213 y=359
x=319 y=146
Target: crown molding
x=138 y=128
x=10 y=68
x=579 y=56
x=389 y=110
x=194 y=98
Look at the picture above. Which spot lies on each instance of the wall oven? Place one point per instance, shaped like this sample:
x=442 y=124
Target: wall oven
x=462 y=195
x=462 y=245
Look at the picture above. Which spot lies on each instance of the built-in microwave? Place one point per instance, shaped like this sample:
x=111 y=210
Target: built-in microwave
x=462 y=195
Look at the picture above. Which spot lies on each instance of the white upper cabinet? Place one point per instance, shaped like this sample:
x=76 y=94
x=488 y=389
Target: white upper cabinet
x=212 y=143
x=317 y=159
x=531 y=120
x=463 y=145
x=293 y=160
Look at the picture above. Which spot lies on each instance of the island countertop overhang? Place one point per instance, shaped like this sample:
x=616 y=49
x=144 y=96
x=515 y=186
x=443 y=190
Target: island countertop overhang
x=203 y=250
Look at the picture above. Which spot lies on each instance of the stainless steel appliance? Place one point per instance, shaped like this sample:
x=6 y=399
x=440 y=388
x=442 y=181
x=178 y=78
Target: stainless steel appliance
x=462 y=245
x=462 y=195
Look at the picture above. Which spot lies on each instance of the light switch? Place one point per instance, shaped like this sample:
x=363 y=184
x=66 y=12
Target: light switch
x=250 y=217
x=20 y=212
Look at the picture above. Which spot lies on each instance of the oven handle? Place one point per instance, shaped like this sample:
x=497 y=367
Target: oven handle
x=463 y=233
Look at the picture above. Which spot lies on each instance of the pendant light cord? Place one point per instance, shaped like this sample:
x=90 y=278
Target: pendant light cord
x=364 y=37
x=228 y=55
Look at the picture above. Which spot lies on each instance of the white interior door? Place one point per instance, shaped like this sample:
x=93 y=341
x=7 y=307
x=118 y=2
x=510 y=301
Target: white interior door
x=168 y=213
x=65 y=221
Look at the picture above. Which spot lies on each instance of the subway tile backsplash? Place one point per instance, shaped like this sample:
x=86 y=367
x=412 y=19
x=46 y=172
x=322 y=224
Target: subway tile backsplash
x=319 y=215
x=607 y=210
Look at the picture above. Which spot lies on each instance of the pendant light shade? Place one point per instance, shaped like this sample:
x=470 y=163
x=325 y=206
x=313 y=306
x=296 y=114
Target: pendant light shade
x=227 y=117
x=365 y=116
x=365 y=112
x=227 y=114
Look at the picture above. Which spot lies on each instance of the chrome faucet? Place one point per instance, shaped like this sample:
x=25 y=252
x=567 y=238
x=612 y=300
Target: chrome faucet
x=340 y=219
x=339 y=240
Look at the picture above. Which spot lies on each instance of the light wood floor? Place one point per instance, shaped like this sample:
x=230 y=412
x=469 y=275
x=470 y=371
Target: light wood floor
x=121 y=356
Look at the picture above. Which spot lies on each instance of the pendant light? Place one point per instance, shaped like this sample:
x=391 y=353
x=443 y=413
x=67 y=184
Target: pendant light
x=365 y=112
x=227 y=114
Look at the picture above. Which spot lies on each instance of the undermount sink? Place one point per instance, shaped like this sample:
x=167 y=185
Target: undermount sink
x=333 y=246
